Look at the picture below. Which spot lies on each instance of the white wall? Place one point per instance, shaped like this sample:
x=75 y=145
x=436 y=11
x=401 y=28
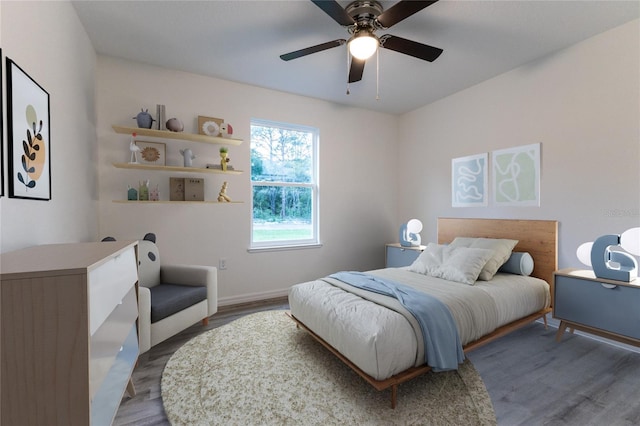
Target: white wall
x=48 y=42
x=581 y=104
x=357 y=178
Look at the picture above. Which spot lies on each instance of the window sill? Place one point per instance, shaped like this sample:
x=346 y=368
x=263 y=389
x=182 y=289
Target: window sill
x=284 y=248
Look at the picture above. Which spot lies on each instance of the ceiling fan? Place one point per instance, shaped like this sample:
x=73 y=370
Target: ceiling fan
x=363 y=18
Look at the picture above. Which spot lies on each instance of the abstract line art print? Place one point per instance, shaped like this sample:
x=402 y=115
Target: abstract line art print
x=469 y=181
x=28 y=136
x=516 y=176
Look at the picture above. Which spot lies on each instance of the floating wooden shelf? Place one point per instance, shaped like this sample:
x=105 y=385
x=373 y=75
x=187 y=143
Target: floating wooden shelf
x=165 y=134
x=174 y=202
x=174 y=168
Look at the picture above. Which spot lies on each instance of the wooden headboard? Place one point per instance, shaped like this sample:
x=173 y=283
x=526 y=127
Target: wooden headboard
x=537 y=237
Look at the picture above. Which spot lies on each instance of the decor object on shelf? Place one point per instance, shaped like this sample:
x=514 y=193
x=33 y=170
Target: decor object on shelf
x=152 y=153
x=132 y=193
x=224 y=159
x=613 y=264
x=171 y=297
x=144 y=119
x=193 y=189
x=222 y=195
x=219 y=167
x=160 y=112
x=134 y=150
x=28 y=113
x=154 y=194
x=226 y=130
x=209 y=126
x=188 y=157
x=143 y=190
x=175 y=125
x=410 y=233
x=176 y=188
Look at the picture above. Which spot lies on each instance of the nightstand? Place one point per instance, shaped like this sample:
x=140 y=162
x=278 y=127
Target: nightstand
x=397 y=256
x=606 y=308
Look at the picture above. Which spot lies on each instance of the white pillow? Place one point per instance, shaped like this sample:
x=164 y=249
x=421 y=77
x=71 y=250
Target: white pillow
x=501 y=248
x=429 y=260
x=462 y=264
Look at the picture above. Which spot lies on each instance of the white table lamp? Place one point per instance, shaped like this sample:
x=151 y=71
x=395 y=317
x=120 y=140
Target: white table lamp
x=410 y=233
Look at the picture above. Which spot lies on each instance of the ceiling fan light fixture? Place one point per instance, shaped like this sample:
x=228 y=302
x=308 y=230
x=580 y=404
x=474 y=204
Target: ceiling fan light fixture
x=363 y=45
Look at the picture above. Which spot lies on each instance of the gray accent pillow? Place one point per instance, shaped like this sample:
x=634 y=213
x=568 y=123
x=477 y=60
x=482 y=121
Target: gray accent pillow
x=519 y=263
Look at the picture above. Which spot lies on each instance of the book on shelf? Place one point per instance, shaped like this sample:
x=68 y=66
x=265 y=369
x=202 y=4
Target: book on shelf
x=217 y=166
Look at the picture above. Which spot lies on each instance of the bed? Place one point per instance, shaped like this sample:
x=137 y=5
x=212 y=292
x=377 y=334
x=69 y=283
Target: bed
x=380 y=338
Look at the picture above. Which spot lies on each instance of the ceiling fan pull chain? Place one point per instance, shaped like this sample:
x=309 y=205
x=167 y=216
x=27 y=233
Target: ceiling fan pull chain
x=377 y=74
x=348 y=71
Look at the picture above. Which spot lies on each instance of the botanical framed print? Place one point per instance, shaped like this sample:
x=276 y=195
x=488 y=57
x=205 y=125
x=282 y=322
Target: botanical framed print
x=516 y=176
x=152 y=153
x=28 y=136
x=469 y=180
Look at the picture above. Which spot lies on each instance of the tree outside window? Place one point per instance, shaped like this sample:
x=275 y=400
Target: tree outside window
x=284 y=184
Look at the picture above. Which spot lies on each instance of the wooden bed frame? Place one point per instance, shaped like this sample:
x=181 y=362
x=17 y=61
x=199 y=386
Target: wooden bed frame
x=538 y=237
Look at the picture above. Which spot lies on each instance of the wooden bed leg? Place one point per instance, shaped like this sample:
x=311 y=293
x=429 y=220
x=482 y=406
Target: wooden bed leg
x=394 y=396
x=205 y=322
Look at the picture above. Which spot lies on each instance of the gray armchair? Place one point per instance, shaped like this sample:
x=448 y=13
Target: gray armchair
x=171 y=298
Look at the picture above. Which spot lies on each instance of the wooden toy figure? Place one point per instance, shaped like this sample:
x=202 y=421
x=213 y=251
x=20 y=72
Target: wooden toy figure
x=222 y=195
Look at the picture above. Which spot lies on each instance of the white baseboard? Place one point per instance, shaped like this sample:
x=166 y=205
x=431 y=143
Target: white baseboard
x=252 y=297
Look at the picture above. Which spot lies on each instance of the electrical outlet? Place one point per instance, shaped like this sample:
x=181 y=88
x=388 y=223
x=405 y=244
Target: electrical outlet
x=222 y=263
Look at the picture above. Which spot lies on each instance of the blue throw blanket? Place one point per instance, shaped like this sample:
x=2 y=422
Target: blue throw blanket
x=443 y=350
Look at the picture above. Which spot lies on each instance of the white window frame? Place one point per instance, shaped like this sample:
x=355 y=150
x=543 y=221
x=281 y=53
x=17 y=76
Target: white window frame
x=314 y=241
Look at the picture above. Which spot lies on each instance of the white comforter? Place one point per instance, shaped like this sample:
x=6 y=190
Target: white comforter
x=383 y=339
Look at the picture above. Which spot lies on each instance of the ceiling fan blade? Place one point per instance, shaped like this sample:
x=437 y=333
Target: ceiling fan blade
x=313 y=49
x=356 y=70
x=335 y=11
x=409 y=47
x=401 y=10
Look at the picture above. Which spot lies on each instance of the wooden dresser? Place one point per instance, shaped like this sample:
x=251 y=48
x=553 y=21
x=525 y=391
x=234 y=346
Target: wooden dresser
x=69 y=332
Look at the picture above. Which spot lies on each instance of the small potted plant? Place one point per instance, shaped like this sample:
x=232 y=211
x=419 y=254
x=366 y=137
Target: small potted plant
x=223 y=157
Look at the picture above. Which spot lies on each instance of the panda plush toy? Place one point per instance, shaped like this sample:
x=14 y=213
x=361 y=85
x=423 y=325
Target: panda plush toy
x=148 y=260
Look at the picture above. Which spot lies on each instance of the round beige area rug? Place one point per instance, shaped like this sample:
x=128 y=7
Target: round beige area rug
x=262 y=370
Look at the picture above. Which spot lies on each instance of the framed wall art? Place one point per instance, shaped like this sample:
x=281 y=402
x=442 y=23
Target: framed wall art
x=28 y=136
x=209 y=126
x=469 y=180
x=152 y=153
x=516 y=176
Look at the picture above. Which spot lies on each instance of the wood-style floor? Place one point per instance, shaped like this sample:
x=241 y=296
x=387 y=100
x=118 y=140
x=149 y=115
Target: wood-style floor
x=531 y=378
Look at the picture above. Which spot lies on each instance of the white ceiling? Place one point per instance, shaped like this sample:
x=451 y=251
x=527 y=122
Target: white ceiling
x=242 y=40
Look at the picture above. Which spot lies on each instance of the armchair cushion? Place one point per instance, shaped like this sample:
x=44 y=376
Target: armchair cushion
x=167 y=299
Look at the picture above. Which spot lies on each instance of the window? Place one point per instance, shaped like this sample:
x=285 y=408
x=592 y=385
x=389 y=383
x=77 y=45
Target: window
x=284 y=184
